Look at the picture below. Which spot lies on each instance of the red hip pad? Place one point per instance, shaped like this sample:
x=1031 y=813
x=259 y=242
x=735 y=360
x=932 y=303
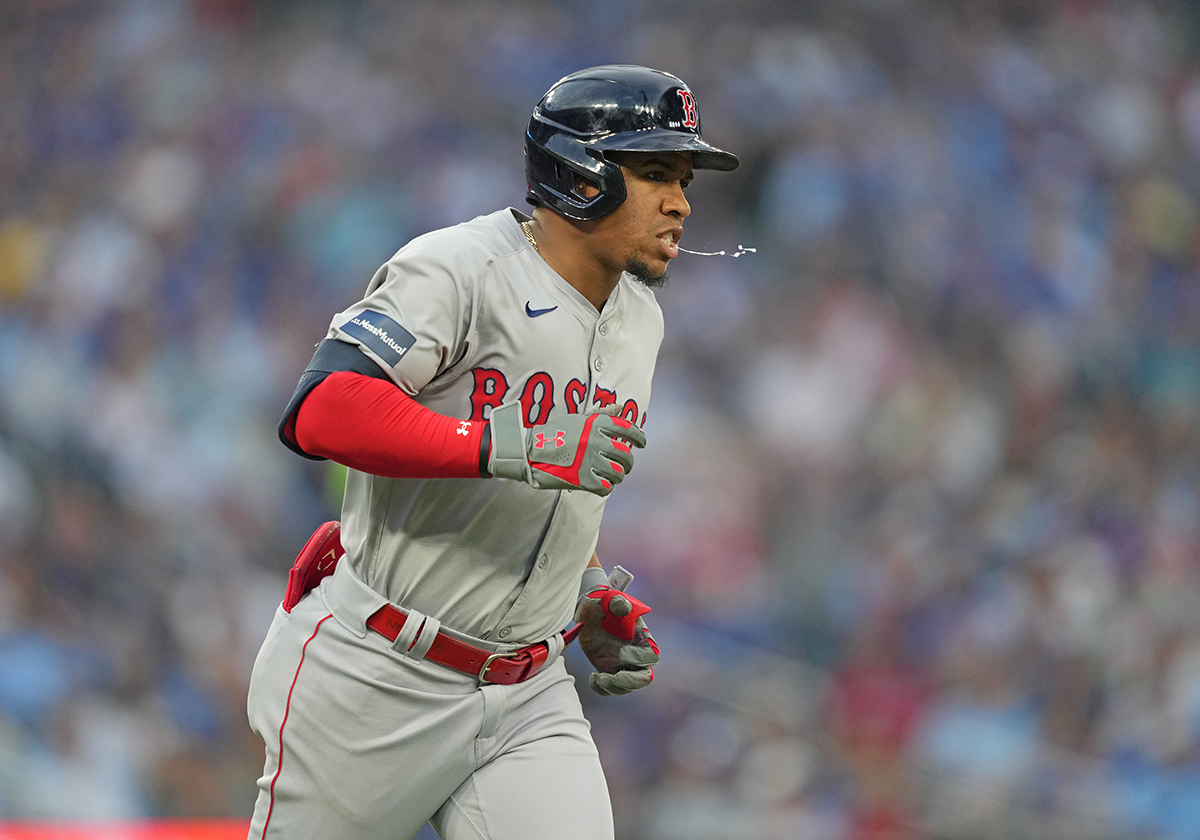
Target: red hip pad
x=316 y=560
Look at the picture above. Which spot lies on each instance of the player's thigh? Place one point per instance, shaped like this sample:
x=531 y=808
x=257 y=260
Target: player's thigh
x=548 y=791
x=359 y=743
x=544 y=781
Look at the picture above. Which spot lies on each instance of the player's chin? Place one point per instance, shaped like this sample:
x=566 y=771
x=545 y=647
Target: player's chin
x=655 y=276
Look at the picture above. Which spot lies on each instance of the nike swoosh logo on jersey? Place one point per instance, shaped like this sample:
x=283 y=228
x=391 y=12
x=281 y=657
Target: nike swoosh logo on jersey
x=533 y=313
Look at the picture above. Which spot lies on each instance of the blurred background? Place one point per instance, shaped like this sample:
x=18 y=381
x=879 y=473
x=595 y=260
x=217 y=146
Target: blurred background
x=920 y=514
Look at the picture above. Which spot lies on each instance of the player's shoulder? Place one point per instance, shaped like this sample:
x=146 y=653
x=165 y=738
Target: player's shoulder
x=465 y=246
x=457 y=256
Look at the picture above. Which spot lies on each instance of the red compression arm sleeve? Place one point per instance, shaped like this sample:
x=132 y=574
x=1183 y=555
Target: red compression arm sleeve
x=371 y=425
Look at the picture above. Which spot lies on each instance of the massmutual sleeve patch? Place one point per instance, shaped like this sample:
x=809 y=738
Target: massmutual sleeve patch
x=380 y=334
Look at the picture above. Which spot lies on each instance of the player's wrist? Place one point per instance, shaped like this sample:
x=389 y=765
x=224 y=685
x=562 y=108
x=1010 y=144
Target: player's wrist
x=507 y=457
x=592 y=579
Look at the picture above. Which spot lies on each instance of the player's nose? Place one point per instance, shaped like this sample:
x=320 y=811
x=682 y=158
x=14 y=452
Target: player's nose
x=676 y=203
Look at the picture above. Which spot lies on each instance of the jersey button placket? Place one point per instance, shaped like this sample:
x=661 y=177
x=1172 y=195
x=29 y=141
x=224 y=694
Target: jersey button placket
x=598 y=364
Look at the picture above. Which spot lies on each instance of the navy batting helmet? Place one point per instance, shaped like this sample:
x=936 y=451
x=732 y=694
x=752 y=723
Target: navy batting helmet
x=616 y=107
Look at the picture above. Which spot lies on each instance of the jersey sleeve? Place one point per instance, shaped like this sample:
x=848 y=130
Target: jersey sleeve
x=415 y=320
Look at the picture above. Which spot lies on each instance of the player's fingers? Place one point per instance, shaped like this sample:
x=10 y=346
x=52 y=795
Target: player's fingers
x=619 y=455
x=619 y=606
x=606 y=471
x=619 y=427
x=642 y=637
x=599 y=683
x=601 y=484
x=621 y=682
x=602 y=685
x=633 y=680
x=639 y=655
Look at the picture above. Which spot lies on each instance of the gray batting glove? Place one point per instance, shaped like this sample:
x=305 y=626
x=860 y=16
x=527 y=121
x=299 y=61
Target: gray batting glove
x=590 y=452
x=615 y=640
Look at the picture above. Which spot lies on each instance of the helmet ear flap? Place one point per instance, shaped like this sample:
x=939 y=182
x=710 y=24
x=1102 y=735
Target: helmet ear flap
x=577 y=156
x=551 y=168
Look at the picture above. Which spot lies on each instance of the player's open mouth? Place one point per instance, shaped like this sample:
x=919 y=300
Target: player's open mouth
x=670 y=243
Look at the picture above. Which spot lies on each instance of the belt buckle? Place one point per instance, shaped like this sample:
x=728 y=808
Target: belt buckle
x=482 y=676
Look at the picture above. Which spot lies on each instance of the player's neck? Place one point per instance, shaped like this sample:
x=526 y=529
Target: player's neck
x=564 y=248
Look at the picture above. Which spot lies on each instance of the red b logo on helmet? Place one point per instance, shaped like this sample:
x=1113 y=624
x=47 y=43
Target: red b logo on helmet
x=690 y=118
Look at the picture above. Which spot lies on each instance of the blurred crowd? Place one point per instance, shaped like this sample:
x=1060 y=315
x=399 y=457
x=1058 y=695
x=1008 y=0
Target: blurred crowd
x=920 y=513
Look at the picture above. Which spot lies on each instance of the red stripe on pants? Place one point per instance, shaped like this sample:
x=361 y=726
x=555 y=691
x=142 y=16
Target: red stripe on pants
x=286 y=709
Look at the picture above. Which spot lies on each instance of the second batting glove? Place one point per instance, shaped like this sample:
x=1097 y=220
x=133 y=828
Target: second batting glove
x=615 y=640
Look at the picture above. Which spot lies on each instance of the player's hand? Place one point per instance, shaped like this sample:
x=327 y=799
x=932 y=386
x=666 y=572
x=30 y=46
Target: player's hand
x=592 y=452
x=615 y=640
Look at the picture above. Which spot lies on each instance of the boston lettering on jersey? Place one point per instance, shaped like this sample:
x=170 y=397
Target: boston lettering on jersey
x=537 y=397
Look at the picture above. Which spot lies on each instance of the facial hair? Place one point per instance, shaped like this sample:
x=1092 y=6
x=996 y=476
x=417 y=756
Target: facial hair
x=641 y=273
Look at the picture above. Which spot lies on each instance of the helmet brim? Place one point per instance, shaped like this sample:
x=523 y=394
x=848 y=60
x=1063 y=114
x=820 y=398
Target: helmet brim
x=704 y=155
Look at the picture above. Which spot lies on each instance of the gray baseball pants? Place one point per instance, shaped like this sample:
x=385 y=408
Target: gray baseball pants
x=365 y=742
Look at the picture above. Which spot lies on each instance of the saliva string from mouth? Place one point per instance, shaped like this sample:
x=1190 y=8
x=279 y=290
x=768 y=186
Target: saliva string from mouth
x=741 y=250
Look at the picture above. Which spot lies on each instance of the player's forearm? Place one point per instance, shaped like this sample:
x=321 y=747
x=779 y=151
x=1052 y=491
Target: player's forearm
x=371 y=425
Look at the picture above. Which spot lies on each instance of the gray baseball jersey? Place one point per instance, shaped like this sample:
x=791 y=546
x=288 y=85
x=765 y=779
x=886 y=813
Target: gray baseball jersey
x=465 y=319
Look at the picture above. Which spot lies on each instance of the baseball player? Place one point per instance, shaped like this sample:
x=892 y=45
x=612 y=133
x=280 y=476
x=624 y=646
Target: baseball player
x=487 y=394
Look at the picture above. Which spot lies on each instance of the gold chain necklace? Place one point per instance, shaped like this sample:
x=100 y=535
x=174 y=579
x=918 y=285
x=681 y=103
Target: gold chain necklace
x=529 y=235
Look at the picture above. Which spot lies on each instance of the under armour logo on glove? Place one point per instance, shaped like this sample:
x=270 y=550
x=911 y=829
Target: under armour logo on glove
x=539 y=440
x=592 y=452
